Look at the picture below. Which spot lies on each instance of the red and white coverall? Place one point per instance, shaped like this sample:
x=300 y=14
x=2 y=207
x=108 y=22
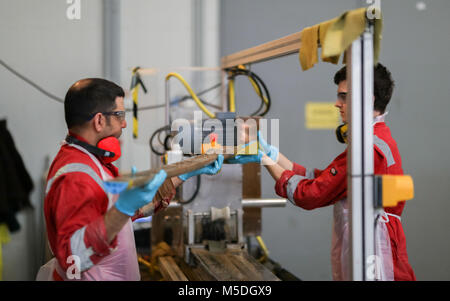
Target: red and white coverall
x=74 y=208
x=314 y=188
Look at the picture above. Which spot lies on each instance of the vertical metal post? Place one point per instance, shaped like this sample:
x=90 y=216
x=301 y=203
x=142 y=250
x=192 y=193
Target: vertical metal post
x=191 y=227
x=111 y=40
x=197 y=41
x=240 y=225
x=167 y=98
x=368 y=106
x=360 y=156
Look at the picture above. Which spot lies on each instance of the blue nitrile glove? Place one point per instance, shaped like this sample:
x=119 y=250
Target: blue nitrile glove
x=118 y=187
x=131 y=200
x=244 y=159
x=271 y=151
x=210 y=169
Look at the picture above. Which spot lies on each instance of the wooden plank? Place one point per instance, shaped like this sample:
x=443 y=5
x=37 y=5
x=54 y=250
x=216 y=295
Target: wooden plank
x=170 y=270
x=273 y=49
x=251 y=181
x=168 y=224
x=194 y=273
x=172 y=170
x=251 y=189
x=231 y=265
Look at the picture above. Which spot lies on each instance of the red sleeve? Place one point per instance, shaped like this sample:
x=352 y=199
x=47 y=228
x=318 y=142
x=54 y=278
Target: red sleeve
x=76 y=208
x=326 y=189
x=380 y=164
x=298 y=169
x=303 y=171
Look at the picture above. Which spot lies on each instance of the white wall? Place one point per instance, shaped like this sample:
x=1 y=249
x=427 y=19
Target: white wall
x=40 y=42
x=161 y=34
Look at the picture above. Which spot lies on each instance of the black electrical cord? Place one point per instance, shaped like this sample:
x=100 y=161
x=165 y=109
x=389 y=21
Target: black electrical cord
x=60 y=100
x=166 y=142
x=184 y=98
x=161 y=142
x=28 y=81
x=259 y=82
x=266 y=91
x=187 y=97
x=239 y=72
x=197 y=189
x=161 y=129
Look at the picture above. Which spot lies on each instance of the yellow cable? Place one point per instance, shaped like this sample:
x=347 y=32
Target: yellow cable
x=189 y=89
x=144 y=262
x=263 y=247
x=232 y=95
x=257 y=90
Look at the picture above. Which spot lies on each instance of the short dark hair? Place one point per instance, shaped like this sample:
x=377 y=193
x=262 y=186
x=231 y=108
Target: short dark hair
x=87 y=97
x=383 y=85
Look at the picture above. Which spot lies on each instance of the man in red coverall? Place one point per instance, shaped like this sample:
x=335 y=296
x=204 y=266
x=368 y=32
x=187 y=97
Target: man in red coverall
x=89 y=229
x=314 y=188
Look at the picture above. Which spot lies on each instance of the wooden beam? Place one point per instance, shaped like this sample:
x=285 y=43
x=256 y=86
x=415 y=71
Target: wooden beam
x=170 y=270
x=273 y=49
x=231 y=265
x=172 y=170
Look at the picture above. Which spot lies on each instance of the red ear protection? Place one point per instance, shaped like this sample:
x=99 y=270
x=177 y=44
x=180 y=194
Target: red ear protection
x=110 y=144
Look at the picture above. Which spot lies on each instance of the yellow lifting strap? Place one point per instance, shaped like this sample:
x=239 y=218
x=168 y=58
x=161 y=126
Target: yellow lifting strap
x=136 y=81
x=336 y=35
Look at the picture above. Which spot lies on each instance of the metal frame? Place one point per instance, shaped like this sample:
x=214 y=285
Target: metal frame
x=360 y=165
x=360 y=170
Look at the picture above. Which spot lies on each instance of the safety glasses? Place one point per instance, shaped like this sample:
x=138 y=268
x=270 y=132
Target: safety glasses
x=119 y=114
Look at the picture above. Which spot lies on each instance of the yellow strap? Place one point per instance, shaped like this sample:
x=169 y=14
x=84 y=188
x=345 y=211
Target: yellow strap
x=191 y=92
x=323 y=29
x=134 y=96
x=308 y=48
x=335 y=36
x=347 y=28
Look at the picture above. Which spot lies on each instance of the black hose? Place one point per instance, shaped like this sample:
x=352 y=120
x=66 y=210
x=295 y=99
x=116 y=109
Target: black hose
x=164 y=128
x=184 y=98
x=197 y=189
x=187 y=97
x=259 y=82
x=166 y=141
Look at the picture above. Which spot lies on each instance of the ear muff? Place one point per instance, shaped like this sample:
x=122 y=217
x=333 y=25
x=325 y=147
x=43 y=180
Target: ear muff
x=342 y=133
x=110 y=144
x=107 y=148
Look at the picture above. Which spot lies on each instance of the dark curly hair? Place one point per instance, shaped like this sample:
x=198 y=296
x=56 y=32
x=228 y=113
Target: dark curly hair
x=383 y=85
